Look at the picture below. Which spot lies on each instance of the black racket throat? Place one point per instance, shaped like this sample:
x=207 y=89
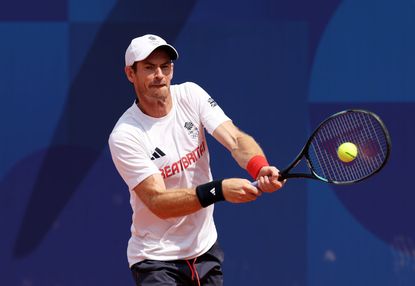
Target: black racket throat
x=285 y=174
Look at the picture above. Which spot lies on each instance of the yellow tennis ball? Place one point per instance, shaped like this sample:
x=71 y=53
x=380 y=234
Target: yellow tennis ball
x=347 y=152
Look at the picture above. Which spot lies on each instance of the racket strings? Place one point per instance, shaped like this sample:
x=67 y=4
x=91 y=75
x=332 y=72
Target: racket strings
x=364 y=165
x=360 y=128
x=377 y=160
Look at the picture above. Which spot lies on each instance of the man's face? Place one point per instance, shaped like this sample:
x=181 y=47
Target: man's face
x=152 y=77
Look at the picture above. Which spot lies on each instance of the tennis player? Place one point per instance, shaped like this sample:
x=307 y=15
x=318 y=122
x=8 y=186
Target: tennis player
x=159 y=148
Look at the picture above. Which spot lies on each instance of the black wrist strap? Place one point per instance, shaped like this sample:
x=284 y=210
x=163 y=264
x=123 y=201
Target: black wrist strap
x=210 y=193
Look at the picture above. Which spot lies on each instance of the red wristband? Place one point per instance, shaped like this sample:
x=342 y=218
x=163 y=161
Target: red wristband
x=255 y=164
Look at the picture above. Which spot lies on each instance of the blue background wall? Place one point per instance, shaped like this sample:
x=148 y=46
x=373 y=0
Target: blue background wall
x=276 y=67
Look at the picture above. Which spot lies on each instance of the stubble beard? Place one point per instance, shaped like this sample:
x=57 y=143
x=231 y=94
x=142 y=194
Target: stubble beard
x=156 y=102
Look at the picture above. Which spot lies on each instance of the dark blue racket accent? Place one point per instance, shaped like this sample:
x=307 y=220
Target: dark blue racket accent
x=360 y=127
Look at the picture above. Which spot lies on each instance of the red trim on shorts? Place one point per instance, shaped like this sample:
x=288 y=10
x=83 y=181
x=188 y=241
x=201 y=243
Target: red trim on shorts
x=193 y=271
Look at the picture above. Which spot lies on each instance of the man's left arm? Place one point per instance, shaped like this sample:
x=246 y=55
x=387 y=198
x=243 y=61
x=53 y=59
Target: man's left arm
x=249 y=155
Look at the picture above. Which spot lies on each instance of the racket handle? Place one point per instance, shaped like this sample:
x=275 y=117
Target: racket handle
x=280 y=178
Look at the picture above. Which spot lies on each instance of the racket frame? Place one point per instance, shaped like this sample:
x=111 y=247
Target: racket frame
x=284 y=174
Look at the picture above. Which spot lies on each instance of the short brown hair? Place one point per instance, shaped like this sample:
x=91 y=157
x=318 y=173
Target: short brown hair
x=134 y=66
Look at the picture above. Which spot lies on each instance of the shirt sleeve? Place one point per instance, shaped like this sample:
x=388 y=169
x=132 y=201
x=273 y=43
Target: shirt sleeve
x=210 y=112
x=130 y=158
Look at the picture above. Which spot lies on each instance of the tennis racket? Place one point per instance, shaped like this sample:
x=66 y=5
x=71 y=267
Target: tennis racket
x=329 y=159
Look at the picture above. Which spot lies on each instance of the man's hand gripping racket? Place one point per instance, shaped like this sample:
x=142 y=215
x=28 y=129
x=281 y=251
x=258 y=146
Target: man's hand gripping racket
x=346 y=148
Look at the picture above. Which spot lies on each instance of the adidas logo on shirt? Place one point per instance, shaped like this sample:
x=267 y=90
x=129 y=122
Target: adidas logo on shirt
x=157 y=154
x=213 y=191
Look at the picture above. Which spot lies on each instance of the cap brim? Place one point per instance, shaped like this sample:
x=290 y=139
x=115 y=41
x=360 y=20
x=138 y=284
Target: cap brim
x=174 y=55
x=166 y=47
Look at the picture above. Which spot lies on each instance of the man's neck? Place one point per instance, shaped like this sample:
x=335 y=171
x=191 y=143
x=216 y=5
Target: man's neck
x=159 y=109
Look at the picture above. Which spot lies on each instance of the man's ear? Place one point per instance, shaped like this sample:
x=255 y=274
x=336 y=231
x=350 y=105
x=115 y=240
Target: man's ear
x=129 y=72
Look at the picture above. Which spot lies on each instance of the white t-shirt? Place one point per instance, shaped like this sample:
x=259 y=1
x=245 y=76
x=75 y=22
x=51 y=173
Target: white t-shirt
x=175 y=146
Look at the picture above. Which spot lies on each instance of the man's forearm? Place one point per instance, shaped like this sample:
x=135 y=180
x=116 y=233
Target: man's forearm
x=174 y=203
x=245 y=148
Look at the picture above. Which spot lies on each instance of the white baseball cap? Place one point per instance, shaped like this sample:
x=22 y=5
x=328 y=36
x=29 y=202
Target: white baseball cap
x=141 y=47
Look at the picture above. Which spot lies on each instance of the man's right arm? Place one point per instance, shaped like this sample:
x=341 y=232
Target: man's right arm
x=166 y=203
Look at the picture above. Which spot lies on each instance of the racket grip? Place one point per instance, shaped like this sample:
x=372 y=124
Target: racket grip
x=280 y=178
